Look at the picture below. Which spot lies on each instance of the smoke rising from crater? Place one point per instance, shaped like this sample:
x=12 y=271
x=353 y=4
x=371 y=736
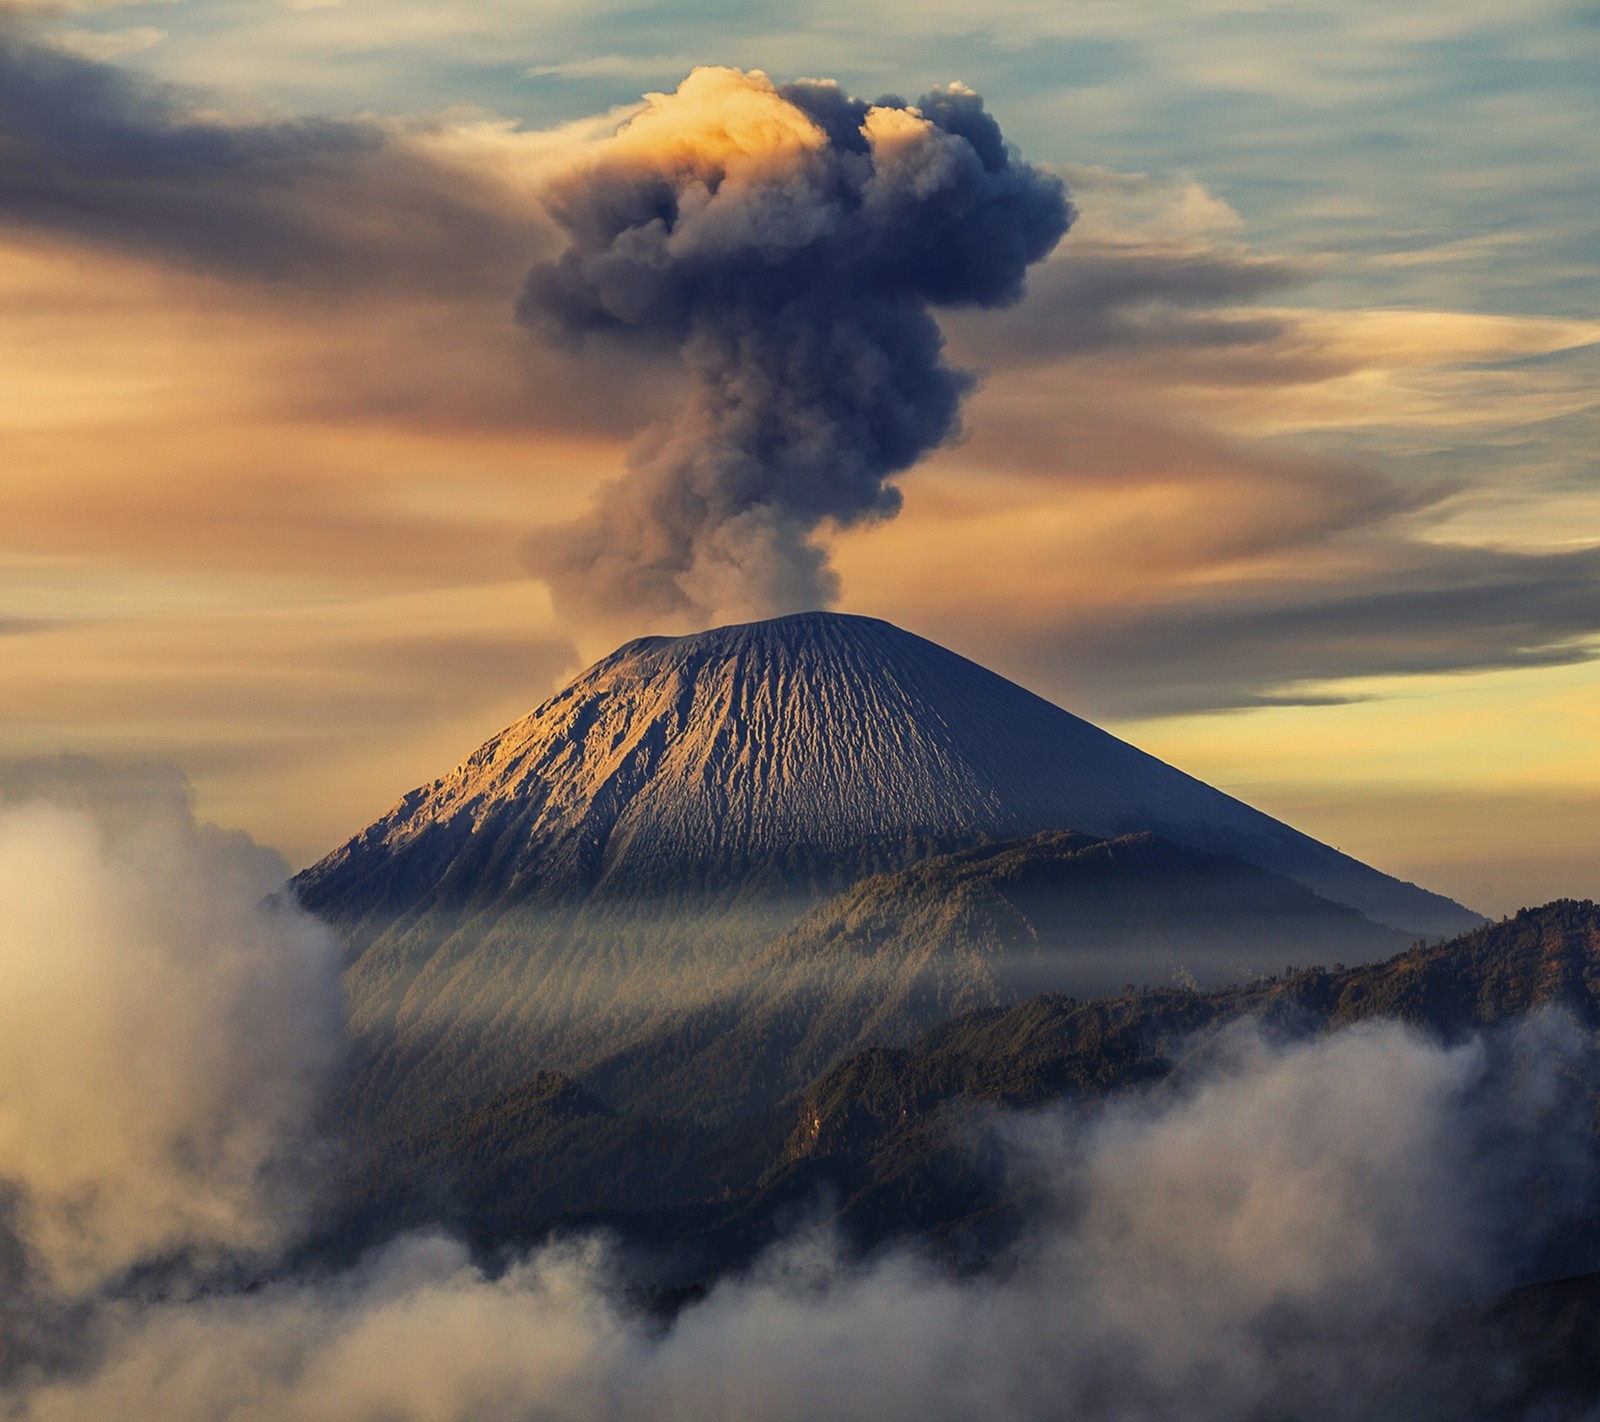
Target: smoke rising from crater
x=788 y=242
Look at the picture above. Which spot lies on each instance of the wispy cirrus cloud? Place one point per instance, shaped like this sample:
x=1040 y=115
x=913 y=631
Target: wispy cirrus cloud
x=1416 y=610
x=1163 y=556
x=109 y=44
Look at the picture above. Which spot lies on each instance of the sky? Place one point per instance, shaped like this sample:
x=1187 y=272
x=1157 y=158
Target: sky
x=1283 y=468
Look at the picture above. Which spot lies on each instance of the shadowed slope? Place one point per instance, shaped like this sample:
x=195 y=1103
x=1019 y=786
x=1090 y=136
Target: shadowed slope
x=878 y=1102
x=883 y=1142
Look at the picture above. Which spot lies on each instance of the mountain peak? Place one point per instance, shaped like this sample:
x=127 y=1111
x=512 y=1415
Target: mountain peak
x=811 y=637
x=796 y=754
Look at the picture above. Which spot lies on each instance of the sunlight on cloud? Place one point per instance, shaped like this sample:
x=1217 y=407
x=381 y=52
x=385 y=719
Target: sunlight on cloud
x=812 y=236
x=1463 y=249
x=348 y=413
x=1410 y=368
x=1289 y=511
x=34 y=8
x=1142 y=209
x=615 y=66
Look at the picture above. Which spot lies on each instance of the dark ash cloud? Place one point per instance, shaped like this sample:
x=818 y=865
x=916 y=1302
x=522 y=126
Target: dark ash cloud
x=789 y=243
x=92 y=152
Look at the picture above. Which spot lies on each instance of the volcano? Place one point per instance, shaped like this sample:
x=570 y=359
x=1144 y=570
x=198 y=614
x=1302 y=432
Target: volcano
x=792 y=754
x=619 y=850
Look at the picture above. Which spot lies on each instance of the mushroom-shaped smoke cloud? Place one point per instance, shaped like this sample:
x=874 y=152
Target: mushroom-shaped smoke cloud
x=788 y=242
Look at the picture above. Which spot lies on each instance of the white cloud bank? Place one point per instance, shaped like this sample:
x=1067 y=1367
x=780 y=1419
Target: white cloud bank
x=164 y=1035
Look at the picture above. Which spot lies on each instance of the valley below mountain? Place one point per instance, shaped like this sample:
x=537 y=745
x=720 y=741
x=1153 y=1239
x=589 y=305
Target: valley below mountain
x=916 y=1148
x=887 y=1140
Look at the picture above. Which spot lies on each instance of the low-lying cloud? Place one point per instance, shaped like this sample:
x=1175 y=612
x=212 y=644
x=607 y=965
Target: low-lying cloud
x=789 y=243
x=1273 y=1239
x=1273 y=1232
x=165 y=1033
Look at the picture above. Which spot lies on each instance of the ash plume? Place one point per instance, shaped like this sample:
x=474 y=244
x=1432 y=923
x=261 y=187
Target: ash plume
x=788 y=242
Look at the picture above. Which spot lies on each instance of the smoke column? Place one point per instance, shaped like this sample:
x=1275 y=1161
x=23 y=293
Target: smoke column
x=788 y=243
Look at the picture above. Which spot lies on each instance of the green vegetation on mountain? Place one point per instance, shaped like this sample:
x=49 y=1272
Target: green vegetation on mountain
x=879 y=1105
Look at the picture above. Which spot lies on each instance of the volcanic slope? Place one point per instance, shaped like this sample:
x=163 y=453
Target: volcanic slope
x=683 y=801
